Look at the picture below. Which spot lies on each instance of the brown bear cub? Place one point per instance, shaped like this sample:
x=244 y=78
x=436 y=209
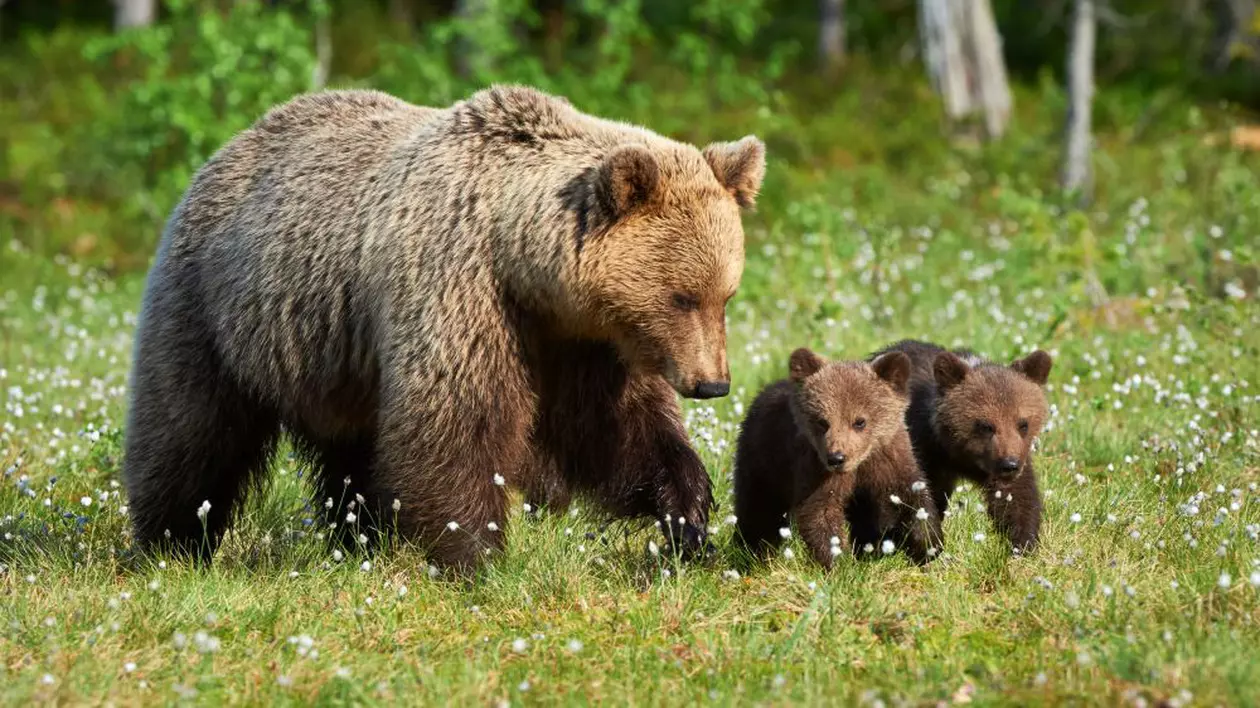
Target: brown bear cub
x=831 y=434
x=976 y=420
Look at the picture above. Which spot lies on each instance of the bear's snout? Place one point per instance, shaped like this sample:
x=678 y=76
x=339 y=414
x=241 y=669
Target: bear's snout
x=835 y=460
x=711 y=389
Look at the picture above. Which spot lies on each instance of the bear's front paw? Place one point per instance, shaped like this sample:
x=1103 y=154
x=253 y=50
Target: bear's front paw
x=686 y=539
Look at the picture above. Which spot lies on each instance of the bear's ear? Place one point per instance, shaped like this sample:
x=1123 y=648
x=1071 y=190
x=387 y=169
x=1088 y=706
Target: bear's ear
x=1035 y=366
x=739 y=167
x=804 y=364
x=893 y=368
x=949 y=370
x=628 y=178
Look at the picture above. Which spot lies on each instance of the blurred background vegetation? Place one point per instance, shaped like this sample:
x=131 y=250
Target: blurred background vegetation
x=108 y=107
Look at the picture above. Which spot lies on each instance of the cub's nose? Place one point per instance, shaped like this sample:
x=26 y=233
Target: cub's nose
x=1008 y=464
x=712 y=389
x=835 y=460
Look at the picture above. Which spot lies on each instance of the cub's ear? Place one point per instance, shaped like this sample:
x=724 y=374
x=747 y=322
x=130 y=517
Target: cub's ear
x=949 y=370
x=627 y=179
x=893 y=368
x=804 y=364
x=1035 y=366
x=739 y=167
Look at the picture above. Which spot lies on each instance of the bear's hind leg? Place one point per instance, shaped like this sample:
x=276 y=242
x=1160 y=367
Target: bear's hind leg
x=192 y=437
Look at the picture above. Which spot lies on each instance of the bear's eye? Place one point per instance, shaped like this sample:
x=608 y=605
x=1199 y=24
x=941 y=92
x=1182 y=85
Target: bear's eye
x=859 y=424
x=821 y=425
x=1023 y=427
x=984 y=428
x=686 y=302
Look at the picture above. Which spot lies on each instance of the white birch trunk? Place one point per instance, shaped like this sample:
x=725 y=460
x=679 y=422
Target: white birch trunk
x=963 y=53
x=1077 y=167
x=831 y=45
x=134 y=13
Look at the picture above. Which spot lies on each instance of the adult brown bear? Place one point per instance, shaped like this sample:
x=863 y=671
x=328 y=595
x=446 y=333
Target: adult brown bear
x=430 y=301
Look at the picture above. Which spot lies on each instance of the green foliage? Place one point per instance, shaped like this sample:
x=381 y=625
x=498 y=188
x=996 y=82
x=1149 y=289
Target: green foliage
x=198 y=79
x=872 y=226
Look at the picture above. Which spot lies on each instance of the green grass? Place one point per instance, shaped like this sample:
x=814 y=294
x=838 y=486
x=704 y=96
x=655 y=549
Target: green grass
x=1149 y=469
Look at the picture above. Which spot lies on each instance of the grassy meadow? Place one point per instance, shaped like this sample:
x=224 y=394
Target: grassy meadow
x=872 y=227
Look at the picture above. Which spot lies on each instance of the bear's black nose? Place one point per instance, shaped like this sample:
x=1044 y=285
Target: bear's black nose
x=1008 y=464
x=835 y=459
x=712 y=389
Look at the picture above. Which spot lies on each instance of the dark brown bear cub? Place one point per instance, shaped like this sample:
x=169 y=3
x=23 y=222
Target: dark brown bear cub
x=977 y=420
x=814 y=439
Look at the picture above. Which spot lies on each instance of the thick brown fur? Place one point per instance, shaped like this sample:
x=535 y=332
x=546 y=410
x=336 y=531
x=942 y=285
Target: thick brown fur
x=977 y=420
x=812 y=441
x=435 y=302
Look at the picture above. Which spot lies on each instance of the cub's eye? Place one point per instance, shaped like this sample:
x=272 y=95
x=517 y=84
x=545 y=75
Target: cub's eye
x=859 y=424
x=686 y=302
x=821 y=425
x=984 y=428
x=1023 y=427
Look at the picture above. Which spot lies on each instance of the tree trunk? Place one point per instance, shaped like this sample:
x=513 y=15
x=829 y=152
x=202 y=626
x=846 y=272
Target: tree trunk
x=1231 y=19
x=468 y=55
x=555 y=25
x=963 y=53
x=1077 y=168
x=133 y=13
x=323 y=48
x=402 y=16
x=831 y=46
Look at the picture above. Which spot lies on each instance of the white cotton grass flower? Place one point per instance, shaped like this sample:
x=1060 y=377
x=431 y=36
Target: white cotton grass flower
x=894 y=498
x=574 y=646
x=921 y=514
x=1075 y=518
x=788 y=553
x=499 y=480
x=653 y=548
x=492 y=526
x=888 y=547
x=87 y=501
x=785 y=532
x=452 y=525
x=1224 y=581
x=979 y=536
x=351 y=517
x=527 y=507
x=202 y=511
x=397 y=505
x=520 y=645
x=366 y=566
x=918 y=486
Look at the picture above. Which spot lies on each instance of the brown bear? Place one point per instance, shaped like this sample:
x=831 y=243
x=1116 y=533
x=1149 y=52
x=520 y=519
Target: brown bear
x=826 y=445
x=428 y=300
x=974 y=419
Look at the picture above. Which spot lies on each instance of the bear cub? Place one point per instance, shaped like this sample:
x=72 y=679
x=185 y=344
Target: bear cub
x=830 y=435
x=977 y=420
